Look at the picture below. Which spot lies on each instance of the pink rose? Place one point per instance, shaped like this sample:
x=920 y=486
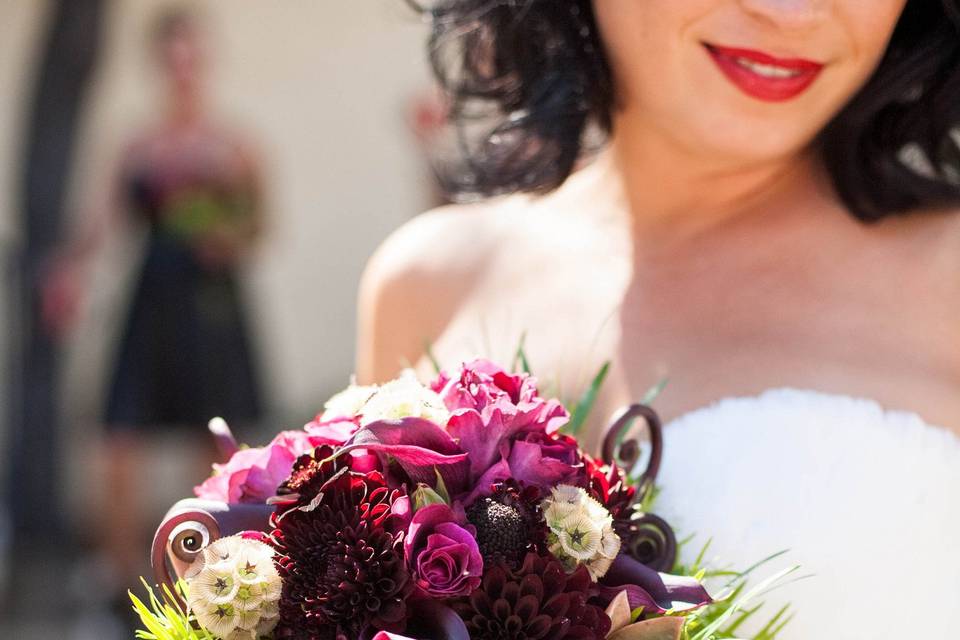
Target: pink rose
x=253 y=475
x=442 y=556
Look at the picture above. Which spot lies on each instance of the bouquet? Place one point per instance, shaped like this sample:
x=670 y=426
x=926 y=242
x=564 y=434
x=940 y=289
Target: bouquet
x=458 y=510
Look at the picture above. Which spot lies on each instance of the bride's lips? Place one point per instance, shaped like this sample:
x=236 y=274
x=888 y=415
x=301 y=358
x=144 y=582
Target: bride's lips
x=762 y=75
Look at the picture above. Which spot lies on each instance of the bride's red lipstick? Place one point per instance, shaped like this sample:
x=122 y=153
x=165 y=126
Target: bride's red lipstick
x=771 y=79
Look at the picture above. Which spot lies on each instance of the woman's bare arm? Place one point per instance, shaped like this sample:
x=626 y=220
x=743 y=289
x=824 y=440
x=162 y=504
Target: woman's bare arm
x=412 y=288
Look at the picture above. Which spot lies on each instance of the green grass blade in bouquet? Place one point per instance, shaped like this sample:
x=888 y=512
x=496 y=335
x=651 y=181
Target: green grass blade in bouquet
x=736 y=604
x=584 y=407
x=165 y=619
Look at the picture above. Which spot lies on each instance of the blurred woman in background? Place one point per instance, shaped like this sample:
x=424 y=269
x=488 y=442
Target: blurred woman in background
x=185 y=354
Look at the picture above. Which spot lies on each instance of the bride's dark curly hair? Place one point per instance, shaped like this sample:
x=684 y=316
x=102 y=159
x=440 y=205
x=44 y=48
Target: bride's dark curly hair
x=538 y=68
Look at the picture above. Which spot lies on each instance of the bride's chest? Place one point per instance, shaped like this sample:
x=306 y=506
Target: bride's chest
x=874 y=323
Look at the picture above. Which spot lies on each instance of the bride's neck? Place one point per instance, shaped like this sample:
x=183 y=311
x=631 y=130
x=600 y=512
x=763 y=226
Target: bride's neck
x=675 y=192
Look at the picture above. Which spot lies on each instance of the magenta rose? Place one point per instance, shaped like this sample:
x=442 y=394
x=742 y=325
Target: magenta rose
x=491 y=408
x=253 y=475
x=442 y=556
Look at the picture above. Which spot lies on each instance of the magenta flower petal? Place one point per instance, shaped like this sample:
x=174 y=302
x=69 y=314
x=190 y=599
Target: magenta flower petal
x=483 y=487
x=491 y=409
x=216 y=487
x=333 y=432
x=420 y=447
x=253 y=475
x=529 y=465
x=442 y=556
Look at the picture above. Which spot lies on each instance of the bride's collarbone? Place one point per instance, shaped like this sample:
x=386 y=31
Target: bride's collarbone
x=855 y=307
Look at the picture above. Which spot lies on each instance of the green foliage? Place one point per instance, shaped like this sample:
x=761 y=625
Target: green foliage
x=442 y=487
x=736 y=603
x=166 y=619
x=583 y=408
x=428 y=350
x=646 y=505
x=654 y=392
x=520 y=358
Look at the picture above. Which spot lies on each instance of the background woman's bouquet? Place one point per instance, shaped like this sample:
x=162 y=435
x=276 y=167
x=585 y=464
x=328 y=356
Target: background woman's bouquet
x=456 y=510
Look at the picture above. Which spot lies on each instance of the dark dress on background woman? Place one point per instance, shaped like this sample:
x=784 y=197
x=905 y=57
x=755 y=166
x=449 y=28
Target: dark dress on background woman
x=185 y=355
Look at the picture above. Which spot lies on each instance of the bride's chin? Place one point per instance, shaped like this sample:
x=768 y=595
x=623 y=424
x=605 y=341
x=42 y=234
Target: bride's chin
x=722 y=136
x=746 y=142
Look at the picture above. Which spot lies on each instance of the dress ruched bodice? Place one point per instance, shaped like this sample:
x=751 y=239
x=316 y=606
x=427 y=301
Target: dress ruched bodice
x=866 y=500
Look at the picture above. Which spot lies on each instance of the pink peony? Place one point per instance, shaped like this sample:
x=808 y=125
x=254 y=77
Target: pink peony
x=442 y=556
x=253 y=475
x=491 y=409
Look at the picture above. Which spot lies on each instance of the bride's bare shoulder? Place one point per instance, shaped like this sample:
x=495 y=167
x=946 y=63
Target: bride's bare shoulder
x=436 y=251
x=419 y=277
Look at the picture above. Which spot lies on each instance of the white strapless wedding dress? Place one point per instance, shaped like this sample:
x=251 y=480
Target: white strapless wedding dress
x=866 y=500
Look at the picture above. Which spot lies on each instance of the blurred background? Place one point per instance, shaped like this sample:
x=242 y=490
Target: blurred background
x=247 y=156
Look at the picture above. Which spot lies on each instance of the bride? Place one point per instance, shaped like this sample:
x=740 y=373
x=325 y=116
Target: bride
x=769 y=222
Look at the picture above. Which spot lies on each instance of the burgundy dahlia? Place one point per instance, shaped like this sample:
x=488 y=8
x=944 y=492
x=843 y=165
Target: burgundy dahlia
x=340 y=551
x=608 y=486
x=538 y=601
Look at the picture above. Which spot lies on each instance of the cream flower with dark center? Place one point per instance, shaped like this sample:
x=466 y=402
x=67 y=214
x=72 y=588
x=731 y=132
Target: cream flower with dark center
x=581 y=530
x=235 y=592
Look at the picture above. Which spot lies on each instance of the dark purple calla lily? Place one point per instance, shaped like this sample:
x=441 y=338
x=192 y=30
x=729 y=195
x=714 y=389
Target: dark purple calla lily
x=655 y=592
x=429 y=619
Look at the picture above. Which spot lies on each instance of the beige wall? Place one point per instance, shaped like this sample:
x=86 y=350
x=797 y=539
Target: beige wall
x=322 y=85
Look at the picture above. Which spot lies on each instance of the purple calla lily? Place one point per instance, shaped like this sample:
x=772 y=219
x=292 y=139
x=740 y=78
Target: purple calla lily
x=429 y=619
x=420 y=447
x=655 y=592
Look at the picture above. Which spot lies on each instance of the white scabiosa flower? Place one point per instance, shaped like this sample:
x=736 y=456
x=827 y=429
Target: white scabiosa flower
x=219 y=619
x=348 y=402
x=405 y=397
x=236 y=592
x=215 y=586
x=581 y=530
